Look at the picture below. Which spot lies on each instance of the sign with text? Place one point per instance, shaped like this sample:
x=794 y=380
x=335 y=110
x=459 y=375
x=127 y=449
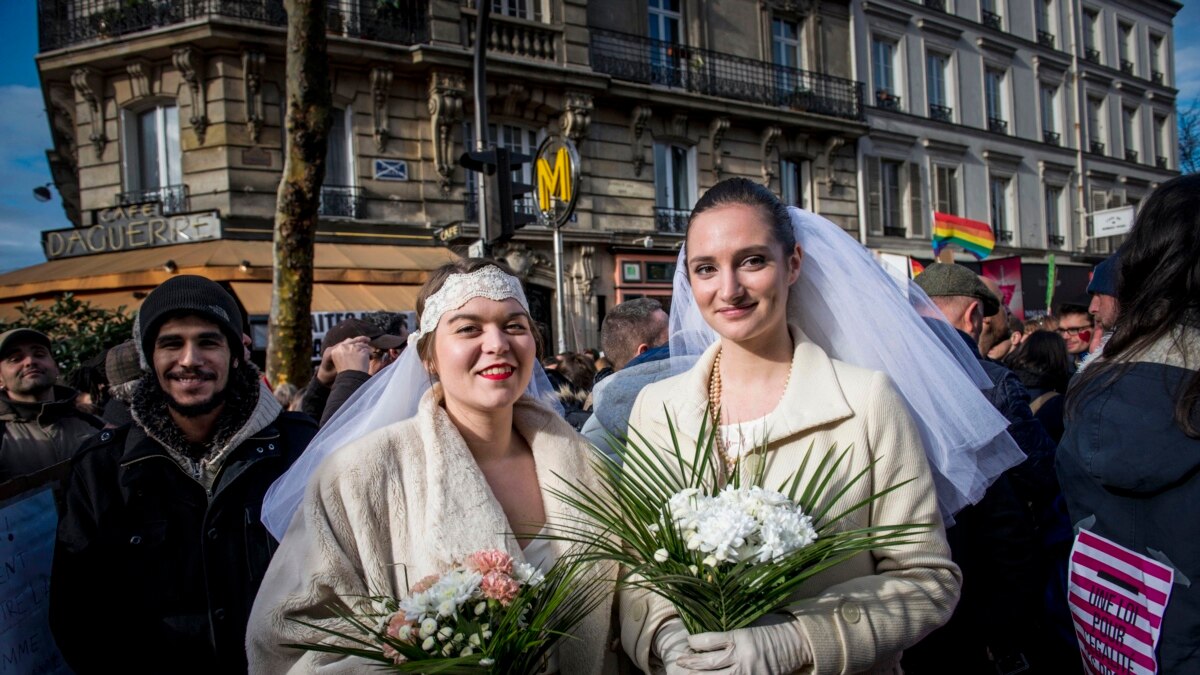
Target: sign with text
x=124 y=228
x=323 y=321
x=27 y=525
x=1111 y=222
x=1006 y=272
x=1118 y=599
x=557 y=168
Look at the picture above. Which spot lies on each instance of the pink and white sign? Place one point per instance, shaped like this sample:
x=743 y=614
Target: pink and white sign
x=1006 y=272
x=1118 y=599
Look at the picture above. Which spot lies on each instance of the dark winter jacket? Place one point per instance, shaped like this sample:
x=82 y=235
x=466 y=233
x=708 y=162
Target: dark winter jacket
x=321 y=402
x=156 y=568
x=34 y=436
x=1129 y=473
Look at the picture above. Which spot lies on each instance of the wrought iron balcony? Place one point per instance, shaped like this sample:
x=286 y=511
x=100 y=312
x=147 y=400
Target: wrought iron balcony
x=703 y=71
x=1127 y=67
x=1156 y=76
x=1131 y=155
x=62 y=23
x=991 y=20
x=997 y=125
x=1056 y=240
x=1092 y=55
x=1097 y=147
x=1005 y=236
x=671 y=220
x=341 y=201
x=1160 y=162
x=1052 y=137
x=939 y=5
x=886 y=100
x=1046 y=39
x=172 y=198
x=941 y=113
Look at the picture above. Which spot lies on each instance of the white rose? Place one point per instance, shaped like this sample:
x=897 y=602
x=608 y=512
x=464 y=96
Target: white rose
x=661 y=555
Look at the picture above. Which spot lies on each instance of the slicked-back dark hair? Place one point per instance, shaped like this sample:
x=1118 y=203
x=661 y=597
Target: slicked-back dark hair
x=1158 y=291
x=748 y=193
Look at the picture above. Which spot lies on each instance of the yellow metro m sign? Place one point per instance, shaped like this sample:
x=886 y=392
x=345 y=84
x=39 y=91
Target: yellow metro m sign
x=554 y=181
x=557 y=169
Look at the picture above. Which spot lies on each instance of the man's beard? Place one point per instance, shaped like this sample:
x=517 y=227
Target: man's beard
x=198 y=409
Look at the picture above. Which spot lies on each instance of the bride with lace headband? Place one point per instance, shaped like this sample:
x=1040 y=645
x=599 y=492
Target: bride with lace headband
x=789 y=335
x=453 y=449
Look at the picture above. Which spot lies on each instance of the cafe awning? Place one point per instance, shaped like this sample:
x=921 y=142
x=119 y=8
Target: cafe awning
x=256 y=297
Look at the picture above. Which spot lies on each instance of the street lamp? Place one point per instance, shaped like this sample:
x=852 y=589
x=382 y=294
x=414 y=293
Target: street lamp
x=42 y=192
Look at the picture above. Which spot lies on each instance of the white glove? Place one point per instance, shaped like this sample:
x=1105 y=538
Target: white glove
x=670 y=643
x=774 y=645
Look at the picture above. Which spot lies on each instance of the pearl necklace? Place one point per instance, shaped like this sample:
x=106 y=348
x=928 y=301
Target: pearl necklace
x=714 y=403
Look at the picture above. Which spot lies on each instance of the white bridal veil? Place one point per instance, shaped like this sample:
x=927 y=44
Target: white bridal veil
x=848 y=304
x=392 y=395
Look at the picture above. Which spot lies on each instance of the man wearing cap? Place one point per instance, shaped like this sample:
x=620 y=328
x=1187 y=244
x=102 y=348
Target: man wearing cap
x=160 y=550
x=352 y=352
x=994 y=541
x=40 y=424
x=1104 y=306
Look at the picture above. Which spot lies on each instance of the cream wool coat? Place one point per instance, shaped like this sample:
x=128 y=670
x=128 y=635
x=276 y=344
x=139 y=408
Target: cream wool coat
x=409 y=496
x=860 y=615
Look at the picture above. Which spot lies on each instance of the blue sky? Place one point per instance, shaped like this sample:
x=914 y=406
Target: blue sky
x=25 y=134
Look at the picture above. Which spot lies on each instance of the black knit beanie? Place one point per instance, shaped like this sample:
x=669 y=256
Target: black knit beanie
x=187 y=294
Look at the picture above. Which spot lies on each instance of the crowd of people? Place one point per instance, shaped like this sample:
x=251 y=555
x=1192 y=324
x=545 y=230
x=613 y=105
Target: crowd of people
x=207 y=521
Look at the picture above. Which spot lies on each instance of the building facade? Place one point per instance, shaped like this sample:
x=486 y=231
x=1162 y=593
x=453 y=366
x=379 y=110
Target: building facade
x=1026 y=114
x=173 y=109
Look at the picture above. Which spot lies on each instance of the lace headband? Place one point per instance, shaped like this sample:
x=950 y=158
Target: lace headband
x=486 y=282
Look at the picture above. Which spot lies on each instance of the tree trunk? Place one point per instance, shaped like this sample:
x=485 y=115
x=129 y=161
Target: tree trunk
x=307 y=122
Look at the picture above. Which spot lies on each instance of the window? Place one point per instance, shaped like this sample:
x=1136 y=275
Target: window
x=1126 y=47
x=883 y=55
x=674 y=185
x=1044 y=22
x=786 y=44
x=1095 y=119
x=945 y=189
x=1157 y=67
x=990 y=14
x=153 y=170
x=936 y=67
x=893 y=185
x=1054 y=206
x=521 y=9
x=1129 y=133
x=1162 y=141
x=994 y=95
x=665 y=19
x=890 y=172
x=793 y=183
x=339 y=196
x=1092 y=35
x=518 y=139
x=1049 y=107
x=999 y=198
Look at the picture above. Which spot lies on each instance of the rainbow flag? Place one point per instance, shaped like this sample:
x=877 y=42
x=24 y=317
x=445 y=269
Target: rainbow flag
x=974 y=236
x=915 y=267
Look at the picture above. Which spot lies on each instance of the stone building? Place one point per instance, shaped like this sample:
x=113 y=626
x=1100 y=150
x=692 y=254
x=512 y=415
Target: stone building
x=169 y=111
x=1029 y=115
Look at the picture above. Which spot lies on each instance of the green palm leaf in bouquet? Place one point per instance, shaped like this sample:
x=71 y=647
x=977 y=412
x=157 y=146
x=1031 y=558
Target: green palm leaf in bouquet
x=644 y=509
x=516 y=637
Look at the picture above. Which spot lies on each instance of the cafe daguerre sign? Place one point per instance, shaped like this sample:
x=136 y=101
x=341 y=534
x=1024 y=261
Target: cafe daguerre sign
x=123 y=228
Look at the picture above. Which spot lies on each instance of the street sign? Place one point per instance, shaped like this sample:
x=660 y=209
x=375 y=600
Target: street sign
x=1111 y=222
x=557 y=171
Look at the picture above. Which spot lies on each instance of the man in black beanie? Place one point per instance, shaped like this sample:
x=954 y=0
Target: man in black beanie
x=160 y=549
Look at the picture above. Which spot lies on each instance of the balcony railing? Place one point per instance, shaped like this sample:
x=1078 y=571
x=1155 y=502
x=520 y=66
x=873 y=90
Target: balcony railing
x=991 y=20
x=997 y=125
x=62 y=23
x=1131 y=155
x=1046 y=39
x=1097 y=147
x=341 y=201
x=1004 y=236
x=671 y=220
x=515 y=36
x=1160 y=162
x=1056 y=240
x=939 y=5
x=1092 y=55
x=172 y=198
x=1052 y=137
x=1126 y=67
x=941 y=113
x=703 y=71
x=1156 y=76
x=886 y=100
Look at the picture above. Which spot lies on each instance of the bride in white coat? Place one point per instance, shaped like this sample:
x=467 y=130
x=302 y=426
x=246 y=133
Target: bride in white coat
x=472 y=469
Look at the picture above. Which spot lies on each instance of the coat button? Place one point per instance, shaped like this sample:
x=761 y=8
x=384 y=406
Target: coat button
x=213 y=534
x=851 y=613
x=135 y=540
x=219 y=614
x=639 y=612
x=270 y=446
x=105 y=435
x=258 y=450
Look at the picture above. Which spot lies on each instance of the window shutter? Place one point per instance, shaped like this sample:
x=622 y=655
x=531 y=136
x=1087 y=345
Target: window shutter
x=917 y=227
x=874 y=198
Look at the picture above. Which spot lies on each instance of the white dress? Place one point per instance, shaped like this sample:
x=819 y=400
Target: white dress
x=540 y=554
